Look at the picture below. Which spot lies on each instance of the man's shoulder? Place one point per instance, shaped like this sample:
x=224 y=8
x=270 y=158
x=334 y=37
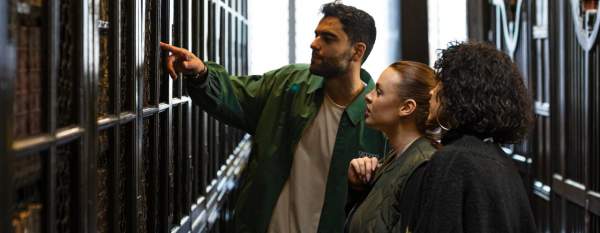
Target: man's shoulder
x=297 y=66
x=292 y=71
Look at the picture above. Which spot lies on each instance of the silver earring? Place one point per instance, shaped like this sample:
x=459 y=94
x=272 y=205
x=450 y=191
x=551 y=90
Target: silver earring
x=437 y=118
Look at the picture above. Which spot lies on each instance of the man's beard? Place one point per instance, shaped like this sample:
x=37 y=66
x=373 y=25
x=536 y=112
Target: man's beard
x=331 y=66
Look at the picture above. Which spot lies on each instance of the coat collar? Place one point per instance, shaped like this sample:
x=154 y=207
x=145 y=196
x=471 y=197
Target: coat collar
x=419 y=148
x=356 y=109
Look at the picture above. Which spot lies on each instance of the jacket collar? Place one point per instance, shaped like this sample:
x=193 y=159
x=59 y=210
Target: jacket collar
x=356 y=109
x=419 y=148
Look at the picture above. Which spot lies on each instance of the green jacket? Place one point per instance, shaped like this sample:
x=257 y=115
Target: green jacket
x=275 y=108
x=379 y=211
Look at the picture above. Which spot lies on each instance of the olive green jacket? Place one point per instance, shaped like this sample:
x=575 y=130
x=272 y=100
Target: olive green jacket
x=275 y=108
x=379 y=212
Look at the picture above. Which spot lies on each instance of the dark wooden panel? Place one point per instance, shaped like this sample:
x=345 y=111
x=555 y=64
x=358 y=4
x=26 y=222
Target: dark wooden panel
x=414 y=46
x=6 y=100
x=575 y=218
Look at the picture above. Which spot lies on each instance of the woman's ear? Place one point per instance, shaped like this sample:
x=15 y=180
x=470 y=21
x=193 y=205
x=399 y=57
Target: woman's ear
x=407 y=107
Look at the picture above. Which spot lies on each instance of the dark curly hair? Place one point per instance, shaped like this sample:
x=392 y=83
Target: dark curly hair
x=359 y=25
x=482 y=93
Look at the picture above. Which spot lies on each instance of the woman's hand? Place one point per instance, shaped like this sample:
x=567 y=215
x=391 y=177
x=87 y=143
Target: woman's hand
x=361 y=171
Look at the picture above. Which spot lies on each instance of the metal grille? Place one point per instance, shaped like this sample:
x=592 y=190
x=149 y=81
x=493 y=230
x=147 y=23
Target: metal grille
x=66 y=83
x=102 y=181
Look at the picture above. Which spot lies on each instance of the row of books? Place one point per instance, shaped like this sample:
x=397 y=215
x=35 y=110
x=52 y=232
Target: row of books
x=28 y=220
x=28 y=90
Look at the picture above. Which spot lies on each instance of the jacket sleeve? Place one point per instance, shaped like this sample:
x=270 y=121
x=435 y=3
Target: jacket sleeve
x=408 y=199
x=235 y=100
x=441 y=209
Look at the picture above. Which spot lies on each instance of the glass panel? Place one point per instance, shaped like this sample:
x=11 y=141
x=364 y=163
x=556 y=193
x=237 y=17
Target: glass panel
x=196 y=171
x=102 y=180
x=104 y=84
x=26 y=26
x=28 y=219
x=186 y=162
x=124 y=161
x=222 y=40
x=211 y=43
x=65 y=181
x=164 y=37
x=66 y=83
x=27 y=211
x=146 y=177
x=104 y=94
x=166 y=166
x=150 y=54
x=126 y=79
x=177 y=163
x=204 y=151
x=174 y=192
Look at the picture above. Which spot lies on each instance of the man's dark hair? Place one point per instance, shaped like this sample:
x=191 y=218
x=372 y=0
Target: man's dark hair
x=359 y=25
x=482 y=93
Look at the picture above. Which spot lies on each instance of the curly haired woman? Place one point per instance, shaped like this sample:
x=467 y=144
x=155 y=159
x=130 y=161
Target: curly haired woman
x=470 y=185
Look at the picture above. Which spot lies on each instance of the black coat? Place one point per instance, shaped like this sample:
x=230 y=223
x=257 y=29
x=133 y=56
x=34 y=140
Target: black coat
x=468 y=186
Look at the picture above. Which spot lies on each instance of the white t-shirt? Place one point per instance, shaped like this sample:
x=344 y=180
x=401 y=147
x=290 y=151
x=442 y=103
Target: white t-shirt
x=299 y=205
